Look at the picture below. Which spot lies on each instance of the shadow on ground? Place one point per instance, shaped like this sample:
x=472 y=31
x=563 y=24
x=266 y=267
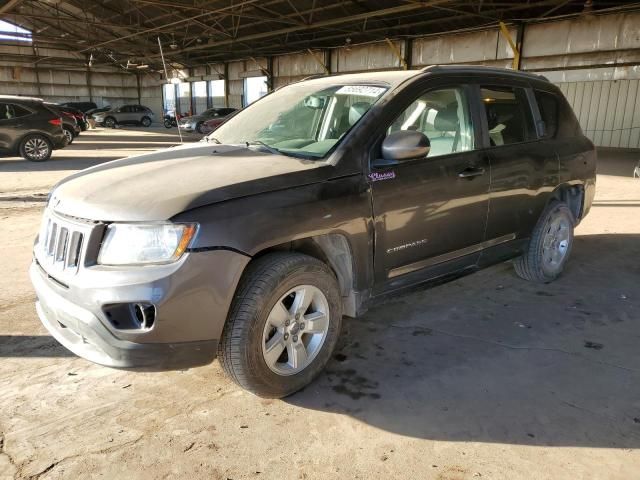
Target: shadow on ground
x=490 y=358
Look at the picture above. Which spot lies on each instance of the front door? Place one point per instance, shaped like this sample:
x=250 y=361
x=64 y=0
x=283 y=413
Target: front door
x=432 y=212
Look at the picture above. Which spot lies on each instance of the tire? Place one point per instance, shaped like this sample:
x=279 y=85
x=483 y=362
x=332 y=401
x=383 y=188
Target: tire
x=146 y=122
x=269 y=281
x=168 y=124
x=69 y=134
x=36 y=148
x=199 y=127
x=550 y=245
x=110 y=122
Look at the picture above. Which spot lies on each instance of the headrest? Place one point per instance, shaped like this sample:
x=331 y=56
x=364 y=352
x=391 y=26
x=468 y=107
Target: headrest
x=447 y=119
x=498 y=114
x=357 y=110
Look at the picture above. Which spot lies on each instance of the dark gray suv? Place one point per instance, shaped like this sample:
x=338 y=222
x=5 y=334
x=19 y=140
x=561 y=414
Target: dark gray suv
x=29 y=129
x=310 y=204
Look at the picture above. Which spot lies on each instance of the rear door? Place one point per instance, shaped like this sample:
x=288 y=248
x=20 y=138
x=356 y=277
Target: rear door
x=522 y=165
x=430 y=214
x=13 y=119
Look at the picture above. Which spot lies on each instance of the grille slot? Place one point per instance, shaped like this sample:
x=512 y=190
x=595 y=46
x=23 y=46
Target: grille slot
x=61 y=243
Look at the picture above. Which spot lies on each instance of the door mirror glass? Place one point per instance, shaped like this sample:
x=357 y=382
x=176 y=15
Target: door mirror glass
x=405 y=145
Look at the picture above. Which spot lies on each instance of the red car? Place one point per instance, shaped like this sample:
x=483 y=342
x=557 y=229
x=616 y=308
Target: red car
x=210 y=125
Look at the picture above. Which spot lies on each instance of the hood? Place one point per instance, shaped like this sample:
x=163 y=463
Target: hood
x=159 y=185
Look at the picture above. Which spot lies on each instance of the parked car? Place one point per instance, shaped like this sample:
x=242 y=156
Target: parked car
x=69 y=122
x=28 y=128
x=127 y=114
x=195 y=123
x=80 y=117
x=210 y=125
x=82 y=106
x=310 y=204
x=94 y=111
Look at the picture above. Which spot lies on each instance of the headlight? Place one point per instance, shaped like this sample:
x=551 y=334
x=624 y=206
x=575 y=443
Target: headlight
x=139 y=244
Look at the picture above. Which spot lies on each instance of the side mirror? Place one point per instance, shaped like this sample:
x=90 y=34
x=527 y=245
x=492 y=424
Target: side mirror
x=402 y=146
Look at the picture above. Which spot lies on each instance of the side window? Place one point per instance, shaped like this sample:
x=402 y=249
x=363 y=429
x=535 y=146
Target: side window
x=443 y=116
x=509 y=117
x=5 y=111
x=548 y=106
x=19 y=111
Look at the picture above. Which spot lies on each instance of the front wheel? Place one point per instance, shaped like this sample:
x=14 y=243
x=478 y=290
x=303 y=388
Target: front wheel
x=69 y=135
x=549 y=246
x=283 y=325
x=146 y=122
x=36 y=148
x=199 y=127
x=110 y=122
x=168 y=123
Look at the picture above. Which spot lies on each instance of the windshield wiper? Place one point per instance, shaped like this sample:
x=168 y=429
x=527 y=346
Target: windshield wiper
x=271 y=149
x=214 y=140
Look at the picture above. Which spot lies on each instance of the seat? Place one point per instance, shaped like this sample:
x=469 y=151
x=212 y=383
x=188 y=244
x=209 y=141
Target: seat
x=446 y=121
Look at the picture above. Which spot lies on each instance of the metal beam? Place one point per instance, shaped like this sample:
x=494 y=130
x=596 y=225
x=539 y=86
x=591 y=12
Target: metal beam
x=324 y=23
x=172 y=24
x=10 y=4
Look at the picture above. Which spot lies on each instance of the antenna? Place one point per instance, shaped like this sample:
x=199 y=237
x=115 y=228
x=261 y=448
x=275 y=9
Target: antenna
x=166 y=76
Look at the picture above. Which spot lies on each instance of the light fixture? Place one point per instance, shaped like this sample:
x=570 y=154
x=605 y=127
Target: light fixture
x=175 y=80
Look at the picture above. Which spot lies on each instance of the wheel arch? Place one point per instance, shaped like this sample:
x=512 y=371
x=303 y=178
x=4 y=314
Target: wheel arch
x=334 y=250
x=573 y=196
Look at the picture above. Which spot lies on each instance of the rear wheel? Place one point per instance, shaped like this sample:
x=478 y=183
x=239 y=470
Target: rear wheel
x=146 y=122
x=168 y=123
x=283 y=325
x=110 y=122
x=36 y=148
x=549 y=246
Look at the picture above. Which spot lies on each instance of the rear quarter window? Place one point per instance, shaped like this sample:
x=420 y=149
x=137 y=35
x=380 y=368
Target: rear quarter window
x=548 y=106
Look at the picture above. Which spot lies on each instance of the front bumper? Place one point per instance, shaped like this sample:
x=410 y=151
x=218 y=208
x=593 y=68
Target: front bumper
x=187 y=127
x=192 y=301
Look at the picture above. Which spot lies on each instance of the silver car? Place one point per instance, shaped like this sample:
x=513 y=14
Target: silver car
x=127 y=114
x=195 y=123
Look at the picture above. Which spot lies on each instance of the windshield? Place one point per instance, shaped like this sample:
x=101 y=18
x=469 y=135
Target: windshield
x=300 y=120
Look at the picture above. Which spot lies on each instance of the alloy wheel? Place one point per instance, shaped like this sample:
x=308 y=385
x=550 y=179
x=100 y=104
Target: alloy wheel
x=295 y=330
x=36 y=148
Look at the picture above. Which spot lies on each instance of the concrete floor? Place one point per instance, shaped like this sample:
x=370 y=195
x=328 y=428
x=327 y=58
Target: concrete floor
x=485 y=377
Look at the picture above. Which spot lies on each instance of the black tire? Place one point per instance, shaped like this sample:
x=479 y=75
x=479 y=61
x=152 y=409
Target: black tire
x=266 y=280
x=536 y=265
x=110 y=122
x=146 y=122
x=70 y=134
x=199 y=127
x=168 y=123
x=36 y=143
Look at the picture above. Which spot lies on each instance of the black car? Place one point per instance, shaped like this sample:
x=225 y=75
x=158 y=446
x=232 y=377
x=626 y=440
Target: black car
x=312 y=203
x=29 y=128
x=70 y=124
x=82 y=106
x=80 y=116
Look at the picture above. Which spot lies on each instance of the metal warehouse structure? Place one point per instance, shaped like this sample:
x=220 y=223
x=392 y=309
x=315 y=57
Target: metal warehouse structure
x=230 y=52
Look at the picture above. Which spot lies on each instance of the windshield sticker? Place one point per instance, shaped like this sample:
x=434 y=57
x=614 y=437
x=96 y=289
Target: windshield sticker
x=377 y=177
x=363 y=90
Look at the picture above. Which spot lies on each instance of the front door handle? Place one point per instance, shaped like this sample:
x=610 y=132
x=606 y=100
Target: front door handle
x=471 y=172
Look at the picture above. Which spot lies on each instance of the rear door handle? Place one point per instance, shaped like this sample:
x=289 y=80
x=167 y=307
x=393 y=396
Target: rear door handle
x=470 y=172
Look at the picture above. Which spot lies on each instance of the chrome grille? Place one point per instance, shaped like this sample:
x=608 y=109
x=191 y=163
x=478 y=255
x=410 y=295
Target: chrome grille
x=61 y=243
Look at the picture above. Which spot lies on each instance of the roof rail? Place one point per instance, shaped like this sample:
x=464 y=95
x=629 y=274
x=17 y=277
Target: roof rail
x=482 y=69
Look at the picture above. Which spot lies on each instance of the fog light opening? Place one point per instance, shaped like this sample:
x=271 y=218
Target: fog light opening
x=145 y=315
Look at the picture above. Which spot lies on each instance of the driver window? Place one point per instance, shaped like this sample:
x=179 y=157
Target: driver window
x=441 y=115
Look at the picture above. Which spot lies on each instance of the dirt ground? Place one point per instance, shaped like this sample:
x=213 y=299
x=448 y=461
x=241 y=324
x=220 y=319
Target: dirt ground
x=485 y=377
